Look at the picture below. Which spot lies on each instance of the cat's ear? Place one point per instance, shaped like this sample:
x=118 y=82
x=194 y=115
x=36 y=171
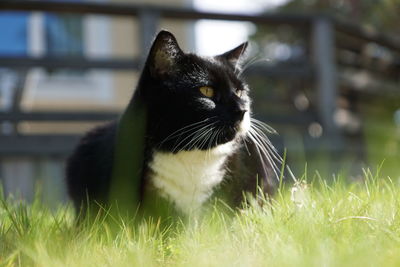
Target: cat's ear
x=234 y=56
x=164 y=54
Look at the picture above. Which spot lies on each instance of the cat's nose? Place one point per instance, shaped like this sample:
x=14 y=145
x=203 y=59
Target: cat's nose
x=240 y=113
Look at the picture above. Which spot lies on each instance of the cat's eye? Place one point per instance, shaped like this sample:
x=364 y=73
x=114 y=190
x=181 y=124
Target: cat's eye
x=239 y=92
x=207 y=91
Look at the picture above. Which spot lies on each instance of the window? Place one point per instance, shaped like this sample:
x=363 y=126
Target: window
x=40 y=34
x=13 y=37
x=64 y=37
x=71 y=36
x=13 y=42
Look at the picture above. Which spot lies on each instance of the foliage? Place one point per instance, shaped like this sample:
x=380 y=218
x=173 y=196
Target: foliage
x=382 y=15
x=368 y=98
x=312 y=224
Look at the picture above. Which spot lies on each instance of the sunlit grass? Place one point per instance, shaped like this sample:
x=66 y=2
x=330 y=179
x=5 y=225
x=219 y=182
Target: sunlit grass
x=315 y=224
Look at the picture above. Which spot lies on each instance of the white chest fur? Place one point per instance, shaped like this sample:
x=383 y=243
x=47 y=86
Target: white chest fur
x=188 y=177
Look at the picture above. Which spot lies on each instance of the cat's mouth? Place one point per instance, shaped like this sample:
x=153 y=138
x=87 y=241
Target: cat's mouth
x=238 y=128
x=242 y=126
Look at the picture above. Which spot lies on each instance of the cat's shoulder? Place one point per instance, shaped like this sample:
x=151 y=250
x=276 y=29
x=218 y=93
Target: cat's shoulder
x=99 y=140
x=100 y=133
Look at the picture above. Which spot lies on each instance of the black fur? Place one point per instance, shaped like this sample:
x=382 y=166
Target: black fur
x=169 y=87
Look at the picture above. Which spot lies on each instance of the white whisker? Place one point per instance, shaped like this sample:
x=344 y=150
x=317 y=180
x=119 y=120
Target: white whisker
x=267 y=143
x=263 y=163
x=245 y=145
x=264 y=126
x=266 y=149
x=185 y=129
x=256 y=59
x=260 y=148
x=195 y=135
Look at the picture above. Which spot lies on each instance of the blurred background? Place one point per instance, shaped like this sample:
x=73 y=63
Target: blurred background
x=323 y=73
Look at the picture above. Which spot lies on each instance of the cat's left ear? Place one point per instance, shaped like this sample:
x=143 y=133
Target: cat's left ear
x=234 y=56
x=164 y=54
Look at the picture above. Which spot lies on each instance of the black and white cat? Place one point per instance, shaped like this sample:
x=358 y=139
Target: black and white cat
x=198 y=115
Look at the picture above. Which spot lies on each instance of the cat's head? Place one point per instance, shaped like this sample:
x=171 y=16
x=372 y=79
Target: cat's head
x=193 y=102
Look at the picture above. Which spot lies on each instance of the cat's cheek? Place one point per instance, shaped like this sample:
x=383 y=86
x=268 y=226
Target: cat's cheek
x=206 y=103
x=244 y=126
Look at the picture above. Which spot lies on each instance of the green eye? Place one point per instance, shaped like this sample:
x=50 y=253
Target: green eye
x=207 y=91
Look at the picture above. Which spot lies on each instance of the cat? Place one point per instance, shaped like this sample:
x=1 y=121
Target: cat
x=198 y=121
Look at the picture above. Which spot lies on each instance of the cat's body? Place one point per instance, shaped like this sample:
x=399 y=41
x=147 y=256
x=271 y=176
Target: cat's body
x=198 y=113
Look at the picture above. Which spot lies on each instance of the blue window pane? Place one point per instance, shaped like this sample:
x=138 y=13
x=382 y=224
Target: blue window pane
x=13 y=33
x=64 y=35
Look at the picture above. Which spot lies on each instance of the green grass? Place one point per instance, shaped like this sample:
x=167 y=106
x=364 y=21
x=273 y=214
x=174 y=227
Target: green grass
x=319 y=225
